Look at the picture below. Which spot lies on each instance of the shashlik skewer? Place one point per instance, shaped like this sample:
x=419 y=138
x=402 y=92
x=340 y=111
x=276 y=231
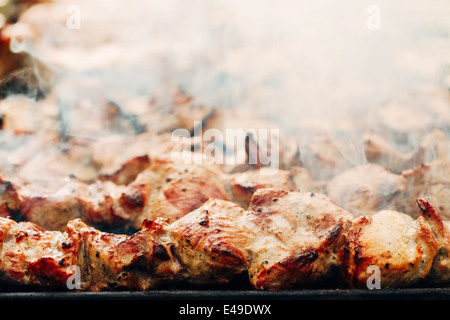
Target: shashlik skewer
x=284 y=240
x=165 y=189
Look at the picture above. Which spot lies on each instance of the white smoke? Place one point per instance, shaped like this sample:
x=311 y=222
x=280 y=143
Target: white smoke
x=290 y=61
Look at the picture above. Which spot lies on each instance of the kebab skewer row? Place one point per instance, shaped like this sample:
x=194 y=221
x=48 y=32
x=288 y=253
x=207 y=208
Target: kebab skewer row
x=284 y=240
x=165 y=189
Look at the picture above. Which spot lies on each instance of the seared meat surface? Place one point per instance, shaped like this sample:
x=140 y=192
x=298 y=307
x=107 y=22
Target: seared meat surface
x=403 y=248
x=298 y=235
x=243 y=185
x=214 y=242
x=31 y=255
x=165 y=189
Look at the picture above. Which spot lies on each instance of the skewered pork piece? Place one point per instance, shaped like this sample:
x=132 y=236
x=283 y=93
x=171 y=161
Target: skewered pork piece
x=325 y=157
x=213 y=242
x=407 y=251
x=366 y=189
x=47 y=261
x=220 y=240
x=431 y=180
x=56 y=178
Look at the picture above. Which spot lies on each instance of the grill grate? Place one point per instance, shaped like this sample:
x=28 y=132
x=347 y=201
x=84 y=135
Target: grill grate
x=306 y=294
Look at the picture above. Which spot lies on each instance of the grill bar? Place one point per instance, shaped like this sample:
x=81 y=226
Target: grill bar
x=307 y=294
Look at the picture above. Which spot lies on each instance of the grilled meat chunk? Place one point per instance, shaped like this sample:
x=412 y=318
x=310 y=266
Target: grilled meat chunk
x=30 y=255
x=214 y=243
x=298 y=235
x=402 y=248
x=174 y=189
x=110 y=261
x=434 y=146
x=431 y=180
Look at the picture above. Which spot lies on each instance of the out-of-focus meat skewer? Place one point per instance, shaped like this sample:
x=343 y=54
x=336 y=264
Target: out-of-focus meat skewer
x=106 y=149
x=366 y=189
x=430 y=180
x=243 y=185
x=119 y=159
x=434 y=146
x=165 y=189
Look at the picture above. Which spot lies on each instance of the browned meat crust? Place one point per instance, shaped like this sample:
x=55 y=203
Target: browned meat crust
x=297 y=237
